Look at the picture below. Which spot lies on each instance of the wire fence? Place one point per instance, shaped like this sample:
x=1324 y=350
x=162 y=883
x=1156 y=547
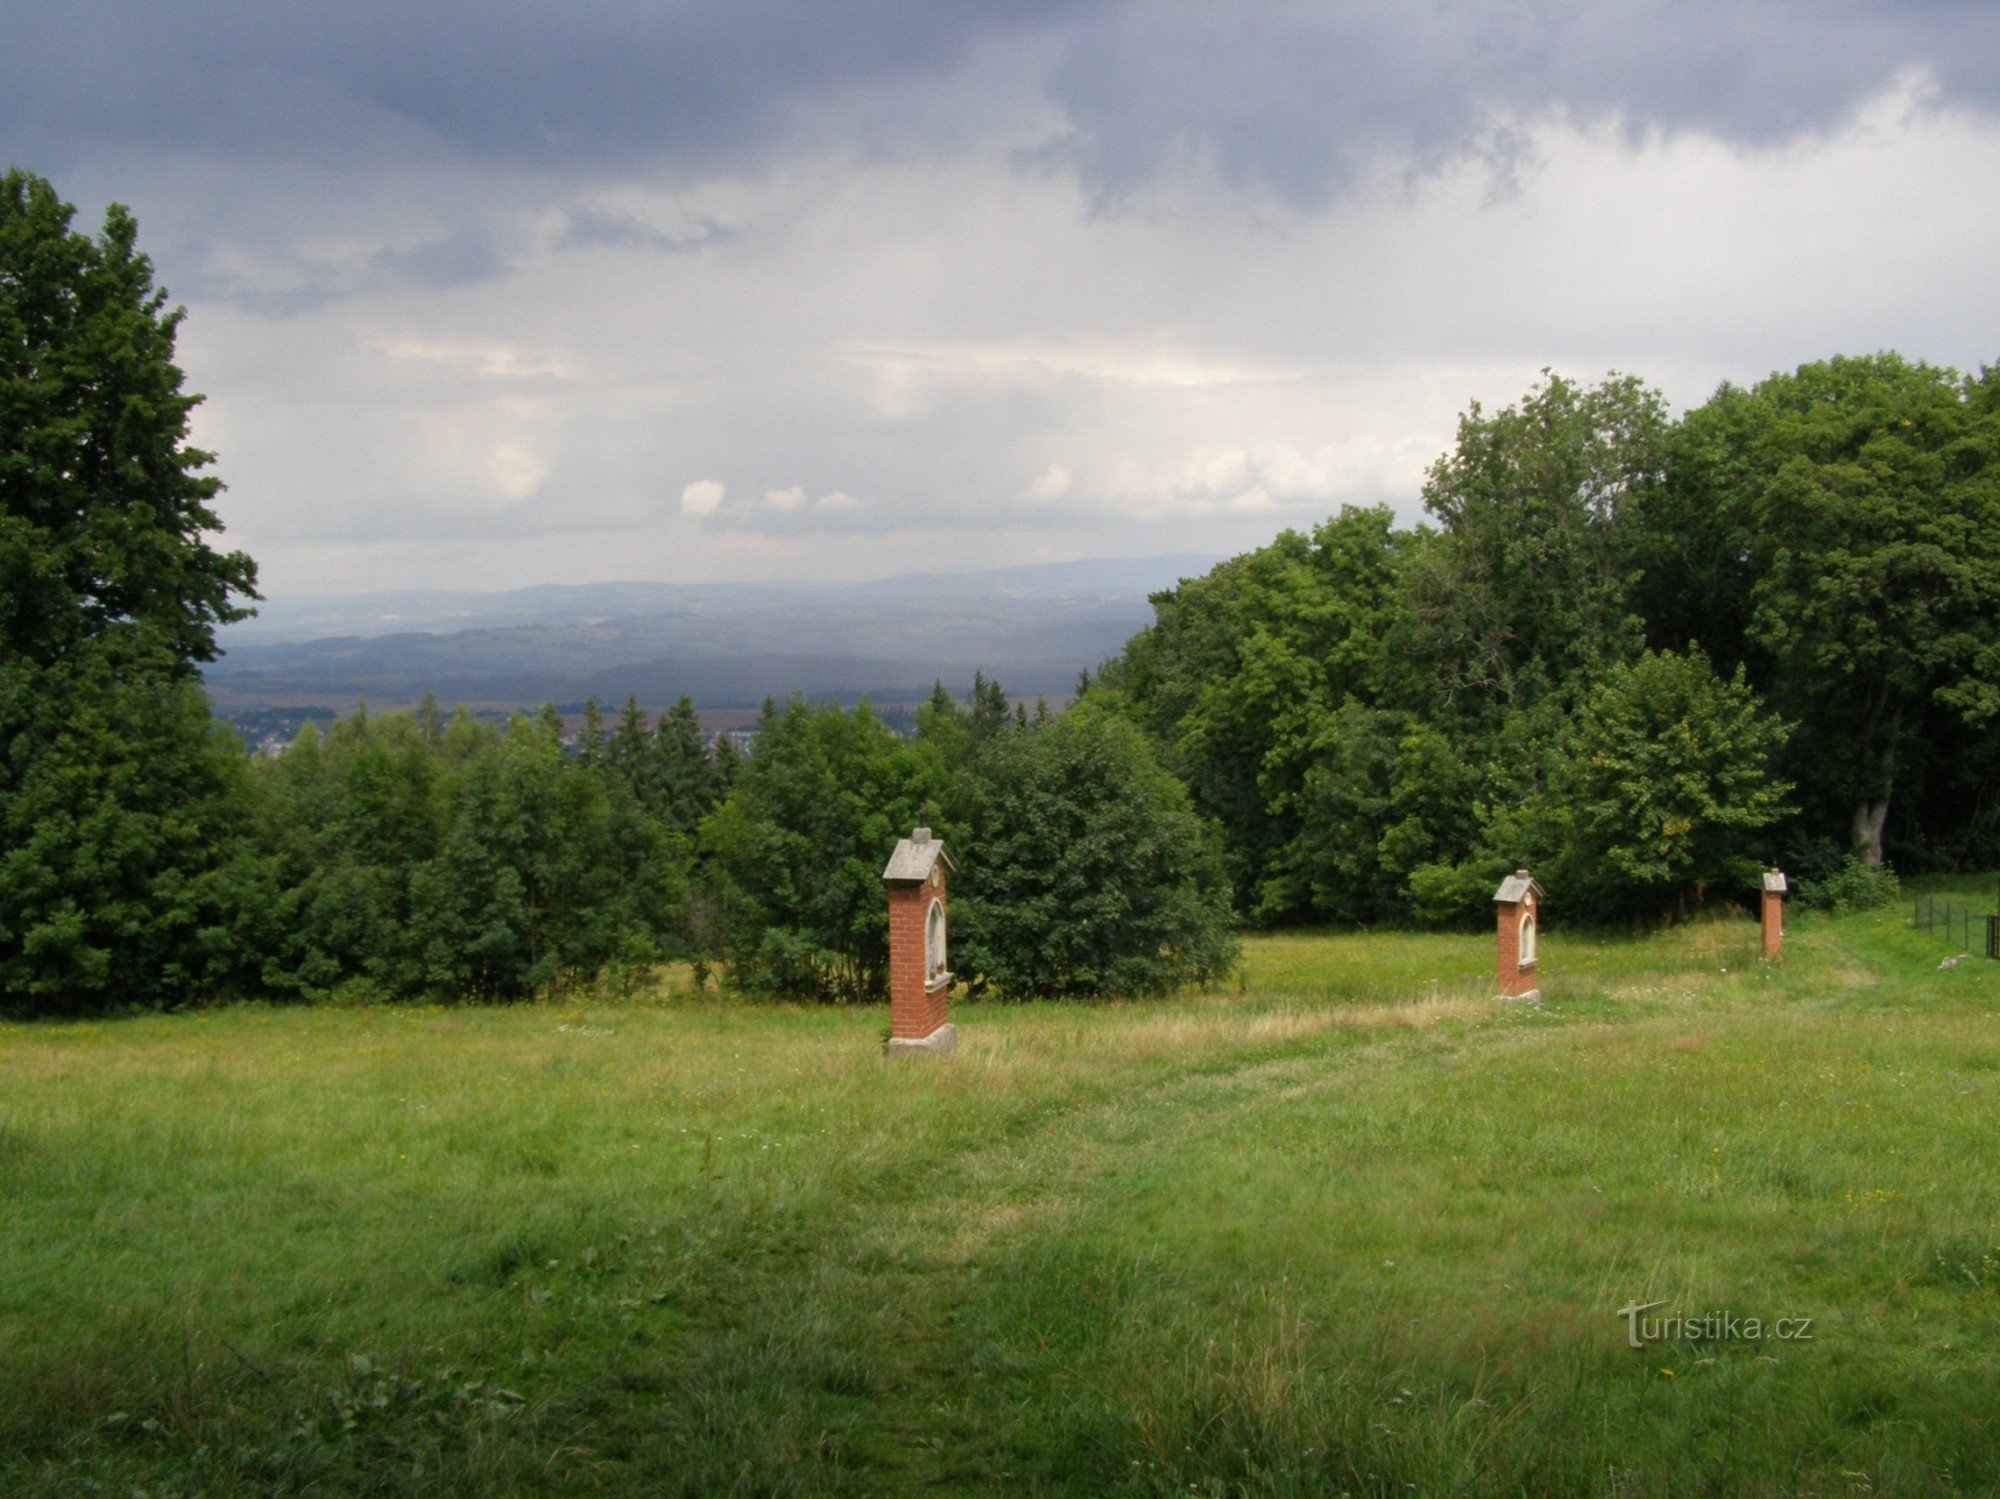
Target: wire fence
x=1967 y=929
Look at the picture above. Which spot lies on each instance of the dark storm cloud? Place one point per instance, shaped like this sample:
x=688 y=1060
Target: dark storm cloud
x=1295 y=98
x=1299 y=98
x=534 y=84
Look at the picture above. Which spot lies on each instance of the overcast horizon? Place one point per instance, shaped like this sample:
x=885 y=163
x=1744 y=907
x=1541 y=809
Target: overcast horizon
x=721 y=293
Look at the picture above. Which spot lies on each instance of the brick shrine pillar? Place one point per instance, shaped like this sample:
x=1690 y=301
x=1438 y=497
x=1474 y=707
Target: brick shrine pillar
x=1518 y=904
x=1774 y=912
x=919 y=970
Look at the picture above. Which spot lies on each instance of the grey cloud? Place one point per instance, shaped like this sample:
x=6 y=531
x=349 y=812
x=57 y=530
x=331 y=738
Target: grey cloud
x=590 y=228
x=294 y=284
x=461 y=258
x=1292 y=97
x=535 y=84
x=1299 y=99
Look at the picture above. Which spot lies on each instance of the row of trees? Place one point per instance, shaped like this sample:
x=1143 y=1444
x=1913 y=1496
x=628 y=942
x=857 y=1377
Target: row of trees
x=1644 y=655
x=1085 y=869
x=145 y=860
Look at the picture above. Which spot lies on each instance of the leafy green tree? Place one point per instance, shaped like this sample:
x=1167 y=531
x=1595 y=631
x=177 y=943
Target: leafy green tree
x=1662 y=792
x=590 y=739
x=473 y=922
x=1086 y=869
x=118 y=813
x=627 y=754
x=1242 y=667
x=1531 y=581
x=547 y=877
x=944 y=726
x=1837 y=529
x=122 y=824
x=104 y=505
x=797 y=850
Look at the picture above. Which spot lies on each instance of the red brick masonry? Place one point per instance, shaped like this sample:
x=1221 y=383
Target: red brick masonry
x=915 y=1008
x=1774 y=913
x=1513 y=977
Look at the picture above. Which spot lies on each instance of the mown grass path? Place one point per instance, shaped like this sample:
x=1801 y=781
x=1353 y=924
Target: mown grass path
x=1349 y=1227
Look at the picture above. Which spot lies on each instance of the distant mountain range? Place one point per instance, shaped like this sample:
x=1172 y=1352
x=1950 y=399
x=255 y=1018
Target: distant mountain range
x=728 y=645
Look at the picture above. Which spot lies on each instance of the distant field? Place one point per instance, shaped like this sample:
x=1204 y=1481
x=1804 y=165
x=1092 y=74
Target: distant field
x=1348 y=1225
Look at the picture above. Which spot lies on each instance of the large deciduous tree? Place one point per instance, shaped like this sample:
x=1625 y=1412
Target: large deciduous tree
x=1661 y=792
x=1530 y=583
x=117 y=808
x=1244 y=665
x=1837 y=529
x=104 y=504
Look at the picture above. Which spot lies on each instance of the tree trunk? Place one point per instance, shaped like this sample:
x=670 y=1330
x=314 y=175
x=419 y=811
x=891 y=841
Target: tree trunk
x=1871 y=816
x=1868 y=820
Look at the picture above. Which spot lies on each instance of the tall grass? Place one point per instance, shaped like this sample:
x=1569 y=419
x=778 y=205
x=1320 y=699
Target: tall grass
x=1347 y=1224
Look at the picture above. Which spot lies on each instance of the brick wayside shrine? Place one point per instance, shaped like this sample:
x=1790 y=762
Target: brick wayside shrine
x=919 y=976
x=1774 y=912
x=1519 y=902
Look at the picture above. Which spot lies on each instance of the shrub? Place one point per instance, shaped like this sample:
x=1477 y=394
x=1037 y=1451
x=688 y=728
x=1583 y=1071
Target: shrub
x=1855 y=886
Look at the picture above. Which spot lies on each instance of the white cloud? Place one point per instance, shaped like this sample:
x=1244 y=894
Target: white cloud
x=931 y=331
x=1053 y=484
x=702 y=498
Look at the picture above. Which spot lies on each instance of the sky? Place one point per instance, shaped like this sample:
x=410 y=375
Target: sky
x=482 y=297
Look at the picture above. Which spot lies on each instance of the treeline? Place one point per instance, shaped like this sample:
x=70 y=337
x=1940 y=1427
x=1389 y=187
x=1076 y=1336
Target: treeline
x=1645 y=656
x=411 y=856
x=146 y=861
x=414 y=855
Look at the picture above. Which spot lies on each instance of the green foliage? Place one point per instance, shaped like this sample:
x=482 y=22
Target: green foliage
x=1837 y=530
x=1087 y=871
x=458 y=862
x=120 y=812
x=120 y=839
x=1855 y=885
x=1239 y=671
x=1529 y=583
x=1386 y=721
x=796 y=851
x=1661 y=792
x=104 y=508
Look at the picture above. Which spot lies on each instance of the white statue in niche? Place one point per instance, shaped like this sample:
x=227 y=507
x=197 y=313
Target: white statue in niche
x=934 y=966
x=1527 y=938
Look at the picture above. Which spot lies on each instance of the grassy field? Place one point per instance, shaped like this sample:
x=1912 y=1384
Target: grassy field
x=1348 y=1225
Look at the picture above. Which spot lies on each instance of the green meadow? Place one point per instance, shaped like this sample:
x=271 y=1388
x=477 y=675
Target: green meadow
x=1345 y=1225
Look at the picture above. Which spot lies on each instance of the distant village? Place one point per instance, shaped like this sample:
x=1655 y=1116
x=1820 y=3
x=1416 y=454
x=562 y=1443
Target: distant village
x=271 y=731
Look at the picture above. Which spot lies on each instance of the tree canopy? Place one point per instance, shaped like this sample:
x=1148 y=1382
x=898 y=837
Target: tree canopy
x=119 y=810
x=104 y=503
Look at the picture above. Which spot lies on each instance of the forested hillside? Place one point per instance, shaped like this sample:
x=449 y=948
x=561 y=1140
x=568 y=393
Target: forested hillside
x=1644 y=655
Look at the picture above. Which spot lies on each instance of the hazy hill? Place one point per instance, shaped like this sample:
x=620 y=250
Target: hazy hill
x=728 y=645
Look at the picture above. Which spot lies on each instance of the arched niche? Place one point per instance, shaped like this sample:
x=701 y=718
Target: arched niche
x=935 y=967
